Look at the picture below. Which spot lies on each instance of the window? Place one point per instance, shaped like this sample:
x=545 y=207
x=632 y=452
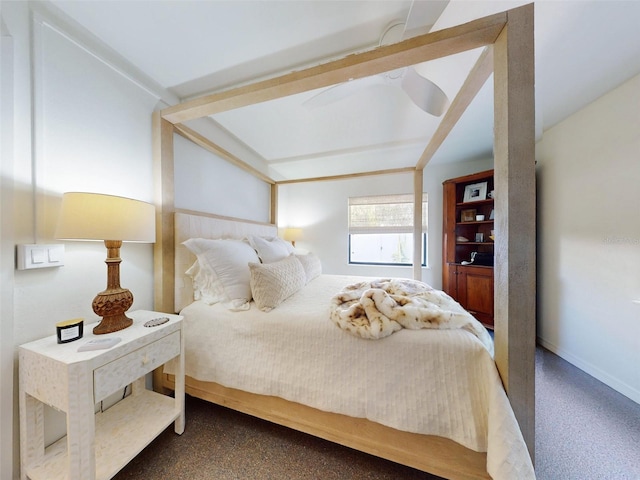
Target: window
x=381 y=229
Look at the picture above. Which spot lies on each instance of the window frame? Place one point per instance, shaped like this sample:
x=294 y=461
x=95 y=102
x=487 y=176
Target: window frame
x=422 y=263
x=387 y=229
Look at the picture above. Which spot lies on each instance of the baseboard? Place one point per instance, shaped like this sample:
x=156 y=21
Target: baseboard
x=592 y=370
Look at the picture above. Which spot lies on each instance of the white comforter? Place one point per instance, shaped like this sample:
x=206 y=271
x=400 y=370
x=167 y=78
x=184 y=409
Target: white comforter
x=438 y=382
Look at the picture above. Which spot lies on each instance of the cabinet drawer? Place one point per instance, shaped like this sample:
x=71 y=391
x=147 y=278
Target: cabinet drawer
x=121 y=372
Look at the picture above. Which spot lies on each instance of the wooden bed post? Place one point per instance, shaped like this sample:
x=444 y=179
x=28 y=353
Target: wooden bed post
x=163 y=248
x=418 y=181
x=273 y=210
x=515 y=245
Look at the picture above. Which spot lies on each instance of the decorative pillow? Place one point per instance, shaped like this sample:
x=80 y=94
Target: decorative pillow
x=273 y=283
x=228 y=262
x=270 y=249
x=311 y=264
x=206 y=285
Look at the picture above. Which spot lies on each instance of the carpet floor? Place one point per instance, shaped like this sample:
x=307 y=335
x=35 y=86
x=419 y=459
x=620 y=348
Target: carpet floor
x=584 y=431
x=222 y=444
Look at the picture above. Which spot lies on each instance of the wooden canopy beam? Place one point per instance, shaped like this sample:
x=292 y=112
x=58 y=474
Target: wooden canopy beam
x=442 y=43
x=207 y=144
x=347 y=176
x=482 y=69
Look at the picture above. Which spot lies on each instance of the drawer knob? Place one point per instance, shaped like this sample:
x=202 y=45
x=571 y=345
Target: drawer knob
x=145 y=360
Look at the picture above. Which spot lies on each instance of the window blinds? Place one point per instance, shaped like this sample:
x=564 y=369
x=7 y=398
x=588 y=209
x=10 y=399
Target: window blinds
x=384 y=214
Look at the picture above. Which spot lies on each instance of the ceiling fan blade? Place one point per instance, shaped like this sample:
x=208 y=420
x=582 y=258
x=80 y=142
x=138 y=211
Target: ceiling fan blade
x=341 y=91
x=422 y=15
x=424 y=93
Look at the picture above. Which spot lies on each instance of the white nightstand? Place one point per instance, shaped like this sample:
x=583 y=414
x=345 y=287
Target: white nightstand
x=98 y=445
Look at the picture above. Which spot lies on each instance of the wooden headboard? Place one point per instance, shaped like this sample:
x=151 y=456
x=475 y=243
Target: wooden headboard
x=193 y=225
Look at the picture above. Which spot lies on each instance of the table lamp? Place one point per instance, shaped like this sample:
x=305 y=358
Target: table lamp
x=93 y=216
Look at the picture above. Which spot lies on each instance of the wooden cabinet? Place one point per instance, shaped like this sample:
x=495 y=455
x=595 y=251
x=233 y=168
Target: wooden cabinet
x=468 y=228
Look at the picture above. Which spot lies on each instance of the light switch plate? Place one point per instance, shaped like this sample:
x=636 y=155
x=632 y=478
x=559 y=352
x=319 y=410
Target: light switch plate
x=39 y=256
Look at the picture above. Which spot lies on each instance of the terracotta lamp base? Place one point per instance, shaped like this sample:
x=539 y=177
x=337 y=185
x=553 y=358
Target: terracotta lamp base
x=112 y=303
x=111 y=306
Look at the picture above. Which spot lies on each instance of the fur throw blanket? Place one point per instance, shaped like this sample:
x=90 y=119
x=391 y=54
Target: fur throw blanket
x=381 y=307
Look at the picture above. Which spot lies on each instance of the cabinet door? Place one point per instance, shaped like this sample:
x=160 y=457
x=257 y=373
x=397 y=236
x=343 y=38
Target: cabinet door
x=475 y=292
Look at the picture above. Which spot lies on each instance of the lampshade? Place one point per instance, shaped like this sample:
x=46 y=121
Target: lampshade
x=94 y=216
x=292 y=234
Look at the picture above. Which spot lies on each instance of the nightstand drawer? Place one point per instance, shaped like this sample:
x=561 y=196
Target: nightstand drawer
x=121 y=372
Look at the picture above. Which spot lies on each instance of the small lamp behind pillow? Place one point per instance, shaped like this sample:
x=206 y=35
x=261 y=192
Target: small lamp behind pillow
x=292 y=235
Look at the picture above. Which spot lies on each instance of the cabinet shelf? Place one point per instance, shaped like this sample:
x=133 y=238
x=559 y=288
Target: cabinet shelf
x=474 y=243
x=143 y=417
x=475 y=222
x=464 y=205
x=471 y=265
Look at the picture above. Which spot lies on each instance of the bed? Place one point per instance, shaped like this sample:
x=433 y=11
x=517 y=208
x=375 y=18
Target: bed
x=507 y=39
x=418 y=397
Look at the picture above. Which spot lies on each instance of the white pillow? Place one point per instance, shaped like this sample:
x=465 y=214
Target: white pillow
x=270 y=249
x=199 y=245
x=206 y=286
x=229 y=261
x=311 y=264
x=273 y=283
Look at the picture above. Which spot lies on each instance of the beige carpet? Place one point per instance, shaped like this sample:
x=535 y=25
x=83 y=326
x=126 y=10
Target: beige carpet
x=221 y=444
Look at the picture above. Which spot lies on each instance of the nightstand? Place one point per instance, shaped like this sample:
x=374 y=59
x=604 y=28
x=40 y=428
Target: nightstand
x=97 y=445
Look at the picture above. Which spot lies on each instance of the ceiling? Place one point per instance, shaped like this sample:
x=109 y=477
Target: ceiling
x=583 y=49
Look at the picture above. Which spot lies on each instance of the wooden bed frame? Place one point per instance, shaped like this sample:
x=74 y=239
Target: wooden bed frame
x=508 y=37
x=436 y=455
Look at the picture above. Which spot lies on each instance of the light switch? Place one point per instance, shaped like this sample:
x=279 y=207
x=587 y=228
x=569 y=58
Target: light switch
x=56 y=253
x=39 y=256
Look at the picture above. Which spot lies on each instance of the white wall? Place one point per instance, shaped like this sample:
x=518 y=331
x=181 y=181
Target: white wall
x=6 y=251
x=320 y=209
x=589 y=239
x=16 y=120
x=205 y=182
x=92 y=133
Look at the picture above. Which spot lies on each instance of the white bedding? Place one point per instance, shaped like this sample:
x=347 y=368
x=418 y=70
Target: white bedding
x=438 y=382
